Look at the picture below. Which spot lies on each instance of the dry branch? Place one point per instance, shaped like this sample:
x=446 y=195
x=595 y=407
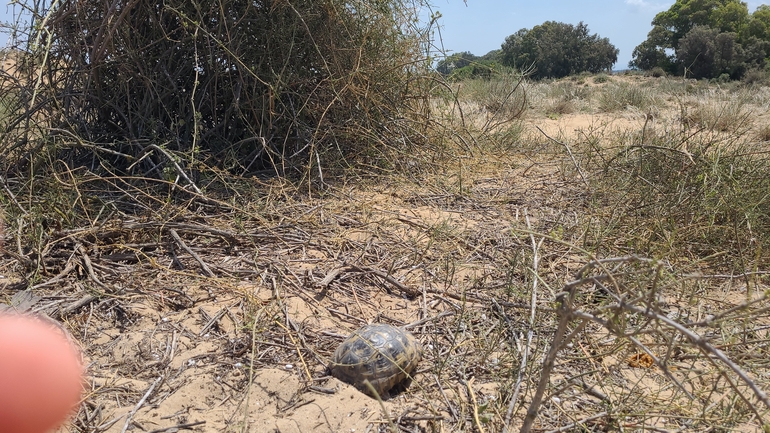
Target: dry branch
x=203 y=265
x=140 y=403
x=614 y=277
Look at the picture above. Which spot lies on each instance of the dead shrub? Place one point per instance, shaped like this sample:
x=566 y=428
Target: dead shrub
x=245 y=86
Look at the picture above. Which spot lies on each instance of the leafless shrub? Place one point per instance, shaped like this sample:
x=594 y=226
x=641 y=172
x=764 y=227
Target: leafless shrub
x=243 y=86
x=689 y=194
x=501 y=96
x=763 y=134
x=719 y=111
x=618 y=96
x=636 y=308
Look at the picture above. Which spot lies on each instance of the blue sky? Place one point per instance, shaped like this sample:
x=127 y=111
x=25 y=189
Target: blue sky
x=6 y=15
x=482 y=25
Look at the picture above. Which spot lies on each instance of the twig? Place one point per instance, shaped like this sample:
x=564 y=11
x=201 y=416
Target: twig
x=377 y=397
x=411 y=293
x=67 y=269
x=475 y=405
x=489 y=125
x=530 y=331
x=298 y=349
x=564 y=299
x=85 y=300
x=197 y=258
x=449 y=406
x=705 y=347
x=566 y=146
x=212 y=321
x=463 y=242
x=12 y=196
x=334 y=273
x=429 y=319
x=140 y=404
x=89 y=266
x=186 y=426
x=662 y=367
x=179 y=170
x=322 y=390
x=577 y=423
x=343 y=314
x=594 y=392
x=195 y=228
x=252 y=370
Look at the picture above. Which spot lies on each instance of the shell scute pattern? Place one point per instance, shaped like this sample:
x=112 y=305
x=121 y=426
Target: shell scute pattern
x=382 y=354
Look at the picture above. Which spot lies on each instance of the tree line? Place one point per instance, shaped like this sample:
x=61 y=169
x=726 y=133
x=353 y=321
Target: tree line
x=548 y=50
x=694 y=38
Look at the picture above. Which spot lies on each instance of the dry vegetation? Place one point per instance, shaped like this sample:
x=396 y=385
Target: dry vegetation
x=589 y=254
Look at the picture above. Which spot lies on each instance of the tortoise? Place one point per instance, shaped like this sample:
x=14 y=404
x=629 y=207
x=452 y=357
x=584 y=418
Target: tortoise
x=381 y=354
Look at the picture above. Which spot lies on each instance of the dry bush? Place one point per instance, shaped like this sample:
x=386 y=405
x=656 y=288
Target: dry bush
x=568 y=90
x=760 y=97
x=567 y=97
x=684 y=194
x=668 y=344
x=501 y=97
x=757 y=77
x=559 y=97
x=631 y=335
x=618 y=96
x=718 y=111
x=656 y=72
x=479 y=113
x=243 y=86
x=763 y=134
x=677 y=87
x=561 y=106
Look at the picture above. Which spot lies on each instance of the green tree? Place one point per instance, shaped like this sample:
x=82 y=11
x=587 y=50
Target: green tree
x=707 y=53
x=683 y=15
x=706 y=38
x=731 y=17
x=464 y=65
x=455 y=61
x=492 y=56
x=484 y=69
x=696 y=52
x=758 y=25
x=756 y=52
x=600 y=55
x=648 y=55
x=555 y=50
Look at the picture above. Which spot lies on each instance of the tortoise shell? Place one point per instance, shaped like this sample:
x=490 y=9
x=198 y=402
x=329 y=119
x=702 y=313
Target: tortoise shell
x=382 y=354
